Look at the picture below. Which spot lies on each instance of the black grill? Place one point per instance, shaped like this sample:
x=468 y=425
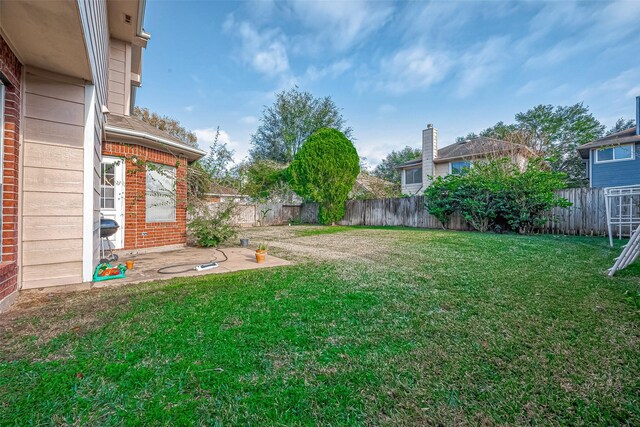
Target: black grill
x=108 y=227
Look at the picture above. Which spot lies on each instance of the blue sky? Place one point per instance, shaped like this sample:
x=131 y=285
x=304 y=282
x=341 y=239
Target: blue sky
x=392 y=67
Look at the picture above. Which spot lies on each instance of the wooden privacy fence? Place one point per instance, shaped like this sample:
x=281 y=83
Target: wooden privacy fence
x=252 y=215
x=587 y=215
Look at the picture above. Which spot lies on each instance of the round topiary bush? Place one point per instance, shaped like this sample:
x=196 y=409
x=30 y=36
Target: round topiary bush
x=324 y=171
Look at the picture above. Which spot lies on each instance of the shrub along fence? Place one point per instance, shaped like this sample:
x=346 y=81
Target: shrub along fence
x=586 y=216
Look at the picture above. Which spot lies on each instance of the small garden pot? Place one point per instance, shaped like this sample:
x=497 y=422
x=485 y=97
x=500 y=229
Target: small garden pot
x=261 y=256
x=244 y=243
x=129 y=264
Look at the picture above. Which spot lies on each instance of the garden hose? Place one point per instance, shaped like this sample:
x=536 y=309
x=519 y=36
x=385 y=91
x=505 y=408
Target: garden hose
x=197 y=267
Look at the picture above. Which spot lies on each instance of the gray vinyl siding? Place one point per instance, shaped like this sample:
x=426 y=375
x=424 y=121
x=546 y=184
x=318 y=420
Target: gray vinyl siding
x=615 y=174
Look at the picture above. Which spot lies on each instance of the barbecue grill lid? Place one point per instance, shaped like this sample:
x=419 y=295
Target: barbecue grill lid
x=108 y=223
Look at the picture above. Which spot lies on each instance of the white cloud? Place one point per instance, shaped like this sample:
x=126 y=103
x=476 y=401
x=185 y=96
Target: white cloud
x=595 y=26
x=264 y=51
x=189 y=108
x=337 y=25
x=411 y=69
x=481 y=64
x=333 y=70
x=207 y=136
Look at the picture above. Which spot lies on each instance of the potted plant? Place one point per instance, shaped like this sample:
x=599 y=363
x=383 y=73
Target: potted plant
x=261 y=253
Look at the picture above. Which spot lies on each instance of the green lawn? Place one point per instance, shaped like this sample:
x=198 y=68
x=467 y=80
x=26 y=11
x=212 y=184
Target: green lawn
x=371 y=327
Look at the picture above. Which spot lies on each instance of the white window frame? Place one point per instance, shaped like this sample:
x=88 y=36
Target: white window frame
x=175 y=199
x=458 y=161
x=613 y=147
x=412 y=169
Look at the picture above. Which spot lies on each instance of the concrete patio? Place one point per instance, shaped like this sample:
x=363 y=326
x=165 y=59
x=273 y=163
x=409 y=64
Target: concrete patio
x=146 y=265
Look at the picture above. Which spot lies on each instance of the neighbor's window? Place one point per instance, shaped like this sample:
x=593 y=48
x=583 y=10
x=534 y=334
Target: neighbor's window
x=161 y=193
x=457 y=168
x=612 y=154
x=413 y=176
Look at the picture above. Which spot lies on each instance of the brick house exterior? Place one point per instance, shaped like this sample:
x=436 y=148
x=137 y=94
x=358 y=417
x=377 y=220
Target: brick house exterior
x=69 y=90
x=11 y=73
x=138 y=233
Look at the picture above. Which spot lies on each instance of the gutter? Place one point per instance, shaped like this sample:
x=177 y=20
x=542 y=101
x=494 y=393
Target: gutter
x=142 y=5
x=144 y=135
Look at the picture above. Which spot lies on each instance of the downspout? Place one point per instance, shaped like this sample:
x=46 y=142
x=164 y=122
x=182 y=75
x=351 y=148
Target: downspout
x=637 y=115
x=142 y=5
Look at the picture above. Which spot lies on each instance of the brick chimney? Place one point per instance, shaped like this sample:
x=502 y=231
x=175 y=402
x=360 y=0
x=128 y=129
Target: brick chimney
x=429 y=152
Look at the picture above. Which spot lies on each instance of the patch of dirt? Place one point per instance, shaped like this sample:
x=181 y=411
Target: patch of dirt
x=368 y=246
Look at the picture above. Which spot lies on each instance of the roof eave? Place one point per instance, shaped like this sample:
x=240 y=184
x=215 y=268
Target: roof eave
x=191 y=153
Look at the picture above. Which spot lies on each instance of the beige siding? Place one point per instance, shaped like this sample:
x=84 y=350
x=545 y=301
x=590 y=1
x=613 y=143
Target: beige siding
x=93 y=14
x=118 y=72
x=441 y=169
x=52 y=190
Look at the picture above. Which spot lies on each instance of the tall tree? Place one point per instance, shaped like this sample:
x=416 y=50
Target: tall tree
x=621 y=124
x=553 y=133
x=166 y=124
x=557 y=132
x=387 y=168
x=292 y=118
x=324 y=171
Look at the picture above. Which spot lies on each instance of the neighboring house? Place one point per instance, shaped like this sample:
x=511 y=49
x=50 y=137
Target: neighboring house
x=614 y=160
x=415 y=174
x=70 y=152
x=371 y=187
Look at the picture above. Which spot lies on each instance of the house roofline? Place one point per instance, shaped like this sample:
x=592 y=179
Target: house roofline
x=194 y=153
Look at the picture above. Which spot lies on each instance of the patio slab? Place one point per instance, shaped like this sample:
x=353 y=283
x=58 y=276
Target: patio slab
x=146 y=265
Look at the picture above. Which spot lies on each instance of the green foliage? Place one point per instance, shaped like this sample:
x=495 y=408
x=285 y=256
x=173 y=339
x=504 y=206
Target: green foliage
x=214 y=228
x=287 y=124
x=387 y=168
x=166 y=124
x=216 y=163
x=553 y=133
x=621 y=124
x=264 y=181
x=324 y=171
x=497 y=192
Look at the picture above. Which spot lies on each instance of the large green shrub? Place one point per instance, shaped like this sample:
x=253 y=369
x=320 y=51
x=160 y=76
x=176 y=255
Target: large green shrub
x=324 y=171
x=498 y=192
x=211 y=228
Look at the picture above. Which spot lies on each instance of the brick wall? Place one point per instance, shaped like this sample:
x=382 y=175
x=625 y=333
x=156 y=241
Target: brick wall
x=157 y=233
x=11 y=71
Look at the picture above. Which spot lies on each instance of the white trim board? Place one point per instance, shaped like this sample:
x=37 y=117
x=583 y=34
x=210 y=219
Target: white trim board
x=88 y=171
